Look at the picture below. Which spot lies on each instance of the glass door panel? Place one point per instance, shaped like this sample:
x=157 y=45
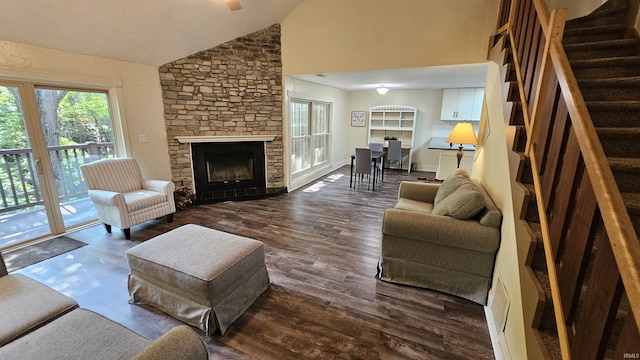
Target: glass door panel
x=77 y=130
x=22 y=210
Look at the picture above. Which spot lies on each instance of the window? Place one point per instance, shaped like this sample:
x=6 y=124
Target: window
x=309 y=134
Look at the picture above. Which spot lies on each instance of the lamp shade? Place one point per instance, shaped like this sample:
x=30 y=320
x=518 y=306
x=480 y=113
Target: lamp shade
x=463 y=134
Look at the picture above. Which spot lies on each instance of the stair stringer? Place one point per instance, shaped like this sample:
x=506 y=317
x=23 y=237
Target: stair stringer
x=532 y=293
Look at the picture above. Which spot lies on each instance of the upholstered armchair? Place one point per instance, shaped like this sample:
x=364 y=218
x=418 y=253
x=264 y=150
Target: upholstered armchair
x=123 y=198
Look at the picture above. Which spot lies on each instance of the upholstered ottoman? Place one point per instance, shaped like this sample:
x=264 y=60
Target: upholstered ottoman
x=203 y=277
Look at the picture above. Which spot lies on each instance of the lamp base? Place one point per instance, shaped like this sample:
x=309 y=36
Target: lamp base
x=460 y=154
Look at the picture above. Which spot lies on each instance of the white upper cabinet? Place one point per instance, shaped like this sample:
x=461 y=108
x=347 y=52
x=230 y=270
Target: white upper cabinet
x=462 y=104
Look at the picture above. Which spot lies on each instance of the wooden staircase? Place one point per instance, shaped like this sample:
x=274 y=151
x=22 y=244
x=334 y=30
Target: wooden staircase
x=586 y=312
x=606 y=63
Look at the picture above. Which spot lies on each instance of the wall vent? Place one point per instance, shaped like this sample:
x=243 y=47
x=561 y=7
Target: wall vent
x=500 y=306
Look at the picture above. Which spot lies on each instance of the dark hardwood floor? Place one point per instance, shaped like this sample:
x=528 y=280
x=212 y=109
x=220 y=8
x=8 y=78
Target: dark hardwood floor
x=322 y=243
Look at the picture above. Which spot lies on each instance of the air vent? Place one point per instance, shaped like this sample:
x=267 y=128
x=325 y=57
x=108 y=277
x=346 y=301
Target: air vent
x=500 y=306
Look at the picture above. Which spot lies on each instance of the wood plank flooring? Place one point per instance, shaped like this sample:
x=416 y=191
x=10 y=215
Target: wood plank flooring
x=322 y=243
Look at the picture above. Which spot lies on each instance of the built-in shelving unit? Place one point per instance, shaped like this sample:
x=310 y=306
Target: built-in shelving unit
x=393 y=121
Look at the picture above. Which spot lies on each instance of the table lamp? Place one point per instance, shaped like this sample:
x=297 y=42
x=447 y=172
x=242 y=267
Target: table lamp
x=462 y=134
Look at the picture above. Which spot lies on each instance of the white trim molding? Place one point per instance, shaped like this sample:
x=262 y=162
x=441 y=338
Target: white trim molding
x=227 y=138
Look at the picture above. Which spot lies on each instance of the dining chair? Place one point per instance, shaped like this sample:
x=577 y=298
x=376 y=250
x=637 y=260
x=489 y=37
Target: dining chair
x=394 y=153
x=363 y=164
x=377 y=147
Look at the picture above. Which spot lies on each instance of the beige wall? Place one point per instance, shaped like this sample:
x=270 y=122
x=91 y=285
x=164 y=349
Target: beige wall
x=141 y=98
x=339 y=35
x=492 y=168
x=575 y=8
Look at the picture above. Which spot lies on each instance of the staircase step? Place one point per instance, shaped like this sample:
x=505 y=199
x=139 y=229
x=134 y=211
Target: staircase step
x=531 y=211
x=526 y=174
x=614 y=113
x=517 y=116
x=601 y=49
x=606 y=67
x=619 y=88
x=620 y=142
x=593 y=33
x=520 y=139
x=627 y=173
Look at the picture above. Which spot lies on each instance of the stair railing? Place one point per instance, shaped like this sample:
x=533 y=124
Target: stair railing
x=596 y=298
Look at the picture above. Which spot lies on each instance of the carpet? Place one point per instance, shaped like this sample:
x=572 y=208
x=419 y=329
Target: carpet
x=31 y=254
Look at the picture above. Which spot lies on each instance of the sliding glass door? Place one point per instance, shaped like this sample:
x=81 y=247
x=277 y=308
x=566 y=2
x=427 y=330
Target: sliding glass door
x=46 y=134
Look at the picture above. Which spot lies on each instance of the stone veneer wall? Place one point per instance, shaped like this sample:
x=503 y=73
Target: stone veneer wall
x=232 y=89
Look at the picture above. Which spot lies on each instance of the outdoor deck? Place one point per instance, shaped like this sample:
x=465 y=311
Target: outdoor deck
x=32 y=224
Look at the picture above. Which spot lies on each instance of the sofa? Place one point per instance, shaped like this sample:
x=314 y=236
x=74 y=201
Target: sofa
x=37 y=322
x=442 y=236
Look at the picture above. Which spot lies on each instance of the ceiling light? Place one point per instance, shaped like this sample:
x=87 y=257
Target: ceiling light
x=382 y=90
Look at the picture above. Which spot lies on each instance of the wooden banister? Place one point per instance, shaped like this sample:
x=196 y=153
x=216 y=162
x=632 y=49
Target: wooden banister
x=622 y=235
x=570 y=169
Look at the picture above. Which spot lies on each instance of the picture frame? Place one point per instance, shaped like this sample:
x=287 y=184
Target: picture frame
x=359 y=118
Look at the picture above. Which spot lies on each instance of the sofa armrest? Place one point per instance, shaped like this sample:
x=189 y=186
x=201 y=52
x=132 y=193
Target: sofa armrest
x=178 y=343
x=418 y=191
x=442 y=230
x=161 y=186
x=106 y=197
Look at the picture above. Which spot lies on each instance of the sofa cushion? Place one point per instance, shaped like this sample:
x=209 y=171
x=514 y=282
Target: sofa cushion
x=414 y=205
x=80 y=334
x=451 y=183
x=26 y=304
x=464 y=203
x=142 y=199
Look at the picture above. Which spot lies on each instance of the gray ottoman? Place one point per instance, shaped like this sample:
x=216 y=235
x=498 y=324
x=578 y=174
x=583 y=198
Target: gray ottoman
x=203 y=277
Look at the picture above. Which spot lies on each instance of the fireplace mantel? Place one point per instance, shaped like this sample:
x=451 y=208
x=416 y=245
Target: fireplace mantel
x=226 y=138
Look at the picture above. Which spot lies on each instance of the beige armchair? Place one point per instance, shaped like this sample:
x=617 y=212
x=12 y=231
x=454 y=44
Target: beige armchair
x=123 y=198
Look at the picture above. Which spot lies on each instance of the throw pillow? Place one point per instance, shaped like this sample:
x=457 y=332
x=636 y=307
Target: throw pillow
x=463 y=204
x=451 y=183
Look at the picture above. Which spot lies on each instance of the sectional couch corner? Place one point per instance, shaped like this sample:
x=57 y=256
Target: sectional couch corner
x=37 y=322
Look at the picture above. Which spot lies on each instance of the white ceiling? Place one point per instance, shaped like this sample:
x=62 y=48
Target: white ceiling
x=152 y=32
x=156 y=32
x=433 y=77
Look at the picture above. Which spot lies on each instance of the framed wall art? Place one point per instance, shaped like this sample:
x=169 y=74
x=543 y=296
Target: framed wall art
x=358 y=118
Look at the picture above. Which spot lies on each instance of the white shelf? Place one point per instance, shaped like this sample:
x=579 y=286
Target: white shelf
x=394 y=120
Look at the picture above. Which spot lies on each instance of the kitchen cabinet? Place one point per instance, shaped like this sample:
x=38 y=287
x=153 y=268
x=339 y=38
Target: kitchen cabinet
x=462 y=104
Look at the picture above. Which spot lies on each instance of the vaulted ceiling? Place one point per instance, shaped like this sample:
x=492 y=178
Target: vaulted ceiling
x=152 y=32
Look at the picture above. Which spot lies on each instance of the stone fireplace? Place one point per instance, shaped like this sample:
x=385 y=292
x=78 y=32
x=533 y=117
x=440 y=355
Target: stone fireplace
x=231 y=95
x=229 y=167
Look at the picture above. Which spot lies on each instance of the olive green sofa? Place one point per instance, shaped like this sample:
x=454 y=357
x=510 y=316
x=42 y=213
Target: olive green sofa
x=442 y=236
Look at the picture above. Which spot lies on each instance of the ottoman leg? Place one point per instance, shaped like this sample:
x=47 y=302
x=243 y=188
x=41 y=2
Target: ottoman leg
x=127 y=233
x=108 y=227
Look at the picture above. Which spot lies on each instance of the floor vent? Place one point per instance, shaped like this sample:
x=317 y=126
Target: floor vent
x=500 y=306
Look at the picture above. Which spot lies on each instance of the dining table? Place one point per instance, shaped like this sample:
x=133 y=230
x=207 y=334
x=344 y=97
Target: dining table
x=376 y=157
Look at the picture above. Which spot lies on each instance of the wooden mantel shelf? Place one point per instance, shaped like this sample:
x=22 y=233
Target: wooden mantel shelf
x=226 y=138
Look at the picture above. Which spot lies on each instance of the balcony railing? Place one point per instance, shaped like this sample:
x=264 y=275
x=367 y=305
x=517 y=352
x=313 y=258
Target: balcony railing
x=19 y=186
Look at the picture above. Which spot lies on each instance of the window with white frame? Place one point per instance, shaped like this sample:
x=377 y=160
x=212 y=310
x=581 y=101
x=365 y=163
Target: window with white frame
x=309 y=134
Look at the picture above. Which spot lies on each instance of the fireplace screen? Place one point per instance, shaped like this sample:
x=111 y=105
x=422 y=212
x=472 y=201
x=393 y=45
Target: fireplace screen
x=229 y=170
